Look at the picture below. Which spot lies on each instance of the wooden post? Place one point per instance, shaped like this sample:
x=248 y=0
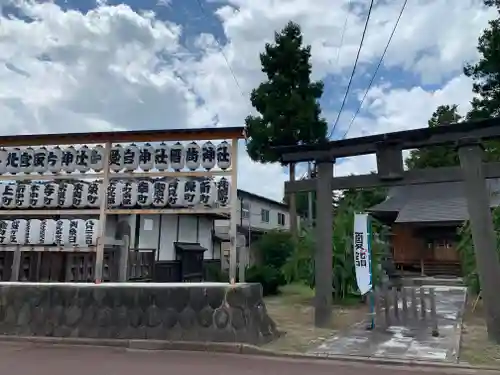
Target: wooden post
x=16 y=264
x=423 y=307
x=124 y=250
x=483 y=232
x=414 y=307
x=242 y=261
x=395 y=301
x=377 y=303
x=323 y=251
x=101 y=236
x=404 y=301
x=233 y=220
x=387 y=308
x=310 y=199
x=434 y=319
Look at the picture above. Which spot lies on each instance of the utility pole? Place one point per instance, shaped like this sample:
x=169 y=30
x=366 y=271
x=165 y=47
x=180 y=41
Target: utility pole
x=310 y=197
x=294 y=228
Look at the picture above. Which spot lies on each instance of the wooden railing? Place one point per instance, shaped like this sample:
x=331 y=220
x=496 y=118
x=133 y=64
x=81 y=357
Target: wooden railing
x=407 y=306
x=61 y=266
x=170 y=271
x=141 y=264
x=78 y=266
x=5 y=265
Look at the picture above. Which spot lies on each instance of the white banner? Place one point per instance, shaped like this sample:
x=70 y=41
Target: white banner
x=362 y=252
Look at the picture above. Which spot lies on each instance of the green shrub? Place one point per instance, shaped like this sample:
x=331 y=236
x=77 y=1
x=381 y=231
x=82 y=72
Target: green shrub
x=274 y=248
x=300 y=264
x=213 y=272
x=269 y=277
x=299 y=267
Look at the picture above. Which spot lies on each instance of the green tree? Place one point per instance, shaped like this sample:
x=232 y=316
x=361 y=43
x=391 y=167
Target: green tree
x=302 y=203
x=274 y=248
x=300 y=264
x=287 y=103
x=437 y=156
x=486 y=72
x=364 y=198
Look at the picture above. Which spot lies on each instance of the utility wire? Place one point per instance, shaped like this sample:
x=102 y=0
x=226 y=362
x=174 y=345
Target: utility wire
x=221 y=50
x=353 y=69
x=337 y=61
x=343 y=34
x=377 y=69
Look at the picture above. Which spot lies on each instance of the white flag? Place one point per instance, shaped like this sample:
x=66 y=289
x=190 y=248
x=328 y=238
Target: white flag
x=362 y=252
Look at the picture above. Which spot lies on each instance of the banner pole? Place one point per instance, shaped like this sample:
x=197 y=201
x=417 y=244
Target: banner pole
x=371 y=296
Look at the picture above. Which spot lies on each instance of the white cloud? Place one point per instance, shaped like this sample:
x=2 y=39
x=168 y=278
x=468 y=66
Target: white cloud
x=434 y=38
x=113 y=68
x=401 y=109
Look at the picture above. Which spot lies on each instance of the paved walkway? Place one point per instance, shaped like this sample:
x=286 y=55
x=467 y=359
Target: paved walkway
x=25 y=359
x=403 y=342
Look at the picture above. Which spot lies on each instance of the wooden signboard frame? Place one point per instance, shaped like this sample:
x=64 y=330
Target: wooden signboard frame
x=108 y=139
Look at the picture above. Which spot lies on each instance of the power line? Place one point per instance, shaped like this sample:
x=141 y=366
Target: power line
x=377 y=69
x=221 y=50
x=353 y=69
x=343 y=34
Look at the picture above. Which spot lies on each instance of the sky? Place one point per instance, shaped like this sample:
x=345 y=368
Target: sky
x=87 y=65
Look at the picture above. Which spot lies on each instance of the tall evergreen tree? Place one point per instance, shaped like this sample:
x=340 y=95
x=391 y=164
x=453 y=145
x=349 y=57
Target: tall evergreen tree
x=289 y=112
x=486 y=72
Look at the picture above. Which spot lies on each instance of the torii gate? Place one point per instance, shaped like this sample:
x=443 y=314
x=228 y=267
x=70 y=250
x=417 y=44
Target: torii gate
x=466 y=136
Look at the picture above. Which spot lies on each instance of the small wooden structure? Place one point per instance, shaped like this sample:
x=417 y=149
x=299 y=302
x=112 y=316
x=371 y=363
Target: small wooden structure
x=101 y=262
x=406 y=306
x=424 y=222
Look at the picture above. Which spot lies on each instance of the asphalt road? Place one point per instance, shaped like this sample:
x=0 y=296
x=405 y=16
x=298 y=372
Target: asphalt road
x=30 y=359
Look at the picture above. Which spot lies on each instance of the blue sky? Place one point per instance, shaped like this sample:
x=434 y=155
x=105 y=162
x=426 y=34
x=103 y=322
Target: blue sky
x=197 y=17
x=114 y=65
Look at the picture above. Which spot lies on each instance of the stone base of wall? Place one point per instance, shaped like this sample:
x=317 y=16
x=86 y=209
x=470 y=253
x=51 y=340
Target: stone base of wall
x=214 y=312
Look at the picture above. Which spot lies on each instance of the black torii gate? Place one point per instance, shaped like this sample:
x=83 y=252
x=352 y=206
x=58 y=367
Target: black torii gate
x=466 y=136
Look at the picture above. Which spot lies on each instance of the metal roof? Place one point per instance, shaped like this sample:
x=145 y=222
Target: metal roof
x=432 y=202
x=242 y=193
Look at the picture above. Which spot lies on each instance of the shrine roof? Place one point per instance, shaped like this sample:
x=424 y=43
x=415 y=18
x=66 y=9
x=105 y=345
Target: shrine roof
x=437 y=202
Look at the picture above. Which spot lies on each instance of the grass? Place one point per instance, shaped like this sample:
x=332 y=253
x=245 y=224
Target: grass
x=476 y=349
x=293 y=313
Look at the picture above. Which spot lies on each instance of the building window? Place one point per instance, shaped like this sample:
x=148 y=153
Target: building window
x=281 y=219
x=264 y=215
x=245 y=210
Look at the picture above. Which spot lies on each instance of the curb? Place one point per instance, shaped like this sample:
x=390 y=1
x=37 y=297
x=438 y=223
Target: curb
x=230 y=348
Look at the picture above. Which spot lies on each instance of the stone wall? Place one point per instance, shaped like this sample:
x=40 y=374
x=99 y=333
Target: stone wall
x=181 y=312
